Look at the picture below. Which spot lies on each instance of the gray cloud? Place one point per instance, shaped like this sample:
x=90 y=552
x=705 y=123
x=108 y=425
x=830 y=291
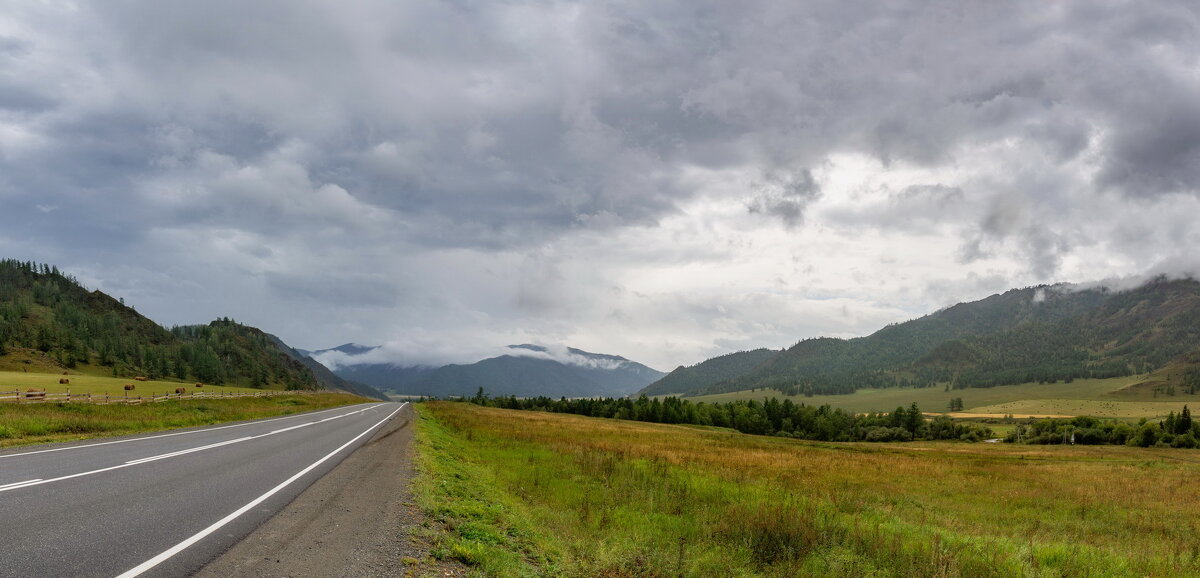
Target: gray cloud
x=268 y=147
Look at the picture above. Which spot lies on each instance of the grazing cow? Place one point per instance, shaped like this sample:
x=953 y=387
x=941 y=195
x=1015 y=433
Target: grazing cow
x=181 y=390
x=66 y=373
x=199 y=385
x=128 y=387
x=140 y=378
x=63 y=380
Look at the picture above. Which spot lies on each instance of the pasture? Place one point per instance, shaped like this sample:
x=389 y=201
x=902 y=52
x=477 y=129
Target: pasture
x=1116 y=397
x=532 y=493
x=98 y=384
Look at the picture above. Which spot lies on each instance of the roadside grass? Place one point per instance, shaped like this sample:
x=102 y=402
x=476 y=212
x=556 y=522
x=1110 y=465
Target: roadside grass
x=98 y=384
x=1120 y=396
x=530 y=493
x=481 y=524
x=55 y=422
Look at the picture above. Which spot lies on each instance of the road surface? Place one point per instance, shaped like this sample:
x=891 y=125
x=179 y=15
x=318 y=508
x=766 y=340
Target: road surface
x=164 y=504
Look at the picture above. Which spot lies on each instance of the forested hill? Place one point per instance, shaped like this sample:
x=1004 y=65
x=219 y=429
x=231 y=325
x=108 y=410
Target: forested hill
x=708 y=373
x=48 y=315
x=1045 y=333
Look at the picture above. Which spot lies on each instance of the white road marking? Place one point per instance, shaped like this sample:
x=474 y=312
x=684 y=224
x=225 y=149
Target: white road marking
x=173 y=550
x=180 y=433
x=40 y=482
x=18 y=484
x=190 y=450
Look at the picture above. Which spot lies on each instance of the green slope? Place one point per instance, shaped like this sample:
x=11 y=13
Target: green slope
x=47 y=316
x=1036 y=334
x=708 y=373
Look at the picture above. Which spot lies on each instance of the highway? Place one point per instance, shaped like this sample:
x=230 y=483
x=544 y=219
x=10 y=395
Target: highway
x=165 y=504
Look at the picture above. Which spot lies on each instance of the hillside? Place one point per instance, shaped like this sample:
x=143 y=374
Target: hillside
x=708 y=373
x=48 y=319
x=1045 y=333
x=573 y=373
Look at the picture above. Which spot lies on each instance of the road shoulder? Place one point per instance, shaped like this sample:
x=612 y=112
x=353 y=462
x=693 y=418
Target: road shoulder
x=357 y=520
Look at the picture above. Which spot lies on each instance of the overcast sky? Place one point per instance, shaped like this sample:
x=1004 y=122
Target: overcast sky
x=665 y=180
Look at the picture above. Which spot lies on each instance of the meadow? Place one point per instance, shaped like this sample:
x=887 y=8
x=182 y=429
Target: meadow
x=531 y=493
x=99 y=384
x=1115 y=397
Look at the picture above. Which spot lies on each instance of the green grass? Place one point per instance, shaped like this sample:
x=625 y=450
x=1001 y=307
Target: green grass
x=1055 y=399
x=486 y=527
x=531 y=493
x=97 y=384
x=54 y=422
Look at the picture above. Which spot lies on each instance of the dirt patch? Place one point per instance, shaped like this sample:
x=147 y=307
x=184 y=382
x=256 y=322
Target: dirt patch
x=968 y=415
x=358 y=520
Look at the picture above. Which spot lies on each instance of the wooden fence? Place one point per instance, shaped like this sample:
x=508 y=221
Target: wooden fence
x=40 y=396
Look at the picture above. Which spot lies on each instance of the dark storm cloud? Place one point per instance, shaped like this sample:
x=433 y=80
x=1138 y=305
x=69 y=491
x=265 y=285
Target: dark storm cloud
x=466 y=112
x=167 y=131
x=786 y=196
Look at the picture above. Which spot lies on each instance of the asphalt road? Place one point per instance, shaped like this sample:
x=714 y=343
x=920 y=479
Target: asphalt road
x=164 y=504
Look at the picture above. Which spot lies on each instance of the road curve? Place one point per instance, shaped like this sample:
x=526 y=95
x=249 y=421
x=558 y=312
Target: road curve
x=164 y=504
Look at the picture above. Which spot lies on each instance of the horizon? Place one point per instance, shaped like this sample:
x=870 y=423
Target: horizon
x=666 y=182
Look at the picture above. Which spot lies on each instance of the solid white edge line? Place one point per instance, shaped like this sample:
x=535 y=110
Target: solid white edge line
x=179 y=433
x=173 y=550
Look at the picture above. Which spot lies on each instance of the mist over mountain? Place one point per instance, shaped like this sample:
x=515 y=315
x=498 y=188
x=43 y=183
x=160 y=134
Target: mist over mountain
x=527 y=370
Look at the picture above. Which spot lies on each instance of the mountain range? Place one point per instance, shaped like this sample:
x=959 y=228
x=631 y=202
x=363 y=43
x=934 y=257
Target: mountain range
x=48 y=317
x=530 y=370
x=1046 y=333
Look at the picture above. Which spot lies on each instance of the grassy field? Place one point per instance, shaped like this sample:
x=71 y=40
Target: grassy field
x=529 y=493
x=1074 y=407
x=97 y=384
x=53 y=422
x=1116 y=397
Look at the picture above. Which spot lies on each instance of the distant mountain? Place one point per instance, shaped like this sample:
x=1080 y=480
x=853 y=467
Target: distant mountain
x=571 y=373
x=708 y=373
x=325 y=378
x=48 y=316
x=347 y=348
x=382 y=376
x=1044 y=333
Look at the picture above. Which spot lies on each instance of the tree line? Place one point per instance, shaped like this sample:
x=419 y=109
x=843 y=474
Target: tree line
x=768 y=417
x=1177 y=431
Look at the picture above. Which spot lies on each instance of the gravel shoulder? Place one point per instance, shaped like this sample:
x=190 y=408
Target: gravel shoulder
x=358 y=520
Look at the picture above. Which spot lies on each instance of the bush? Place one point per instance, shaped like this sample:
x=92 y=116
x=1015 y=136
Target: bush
x=887 y=434
x=1184 y=441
